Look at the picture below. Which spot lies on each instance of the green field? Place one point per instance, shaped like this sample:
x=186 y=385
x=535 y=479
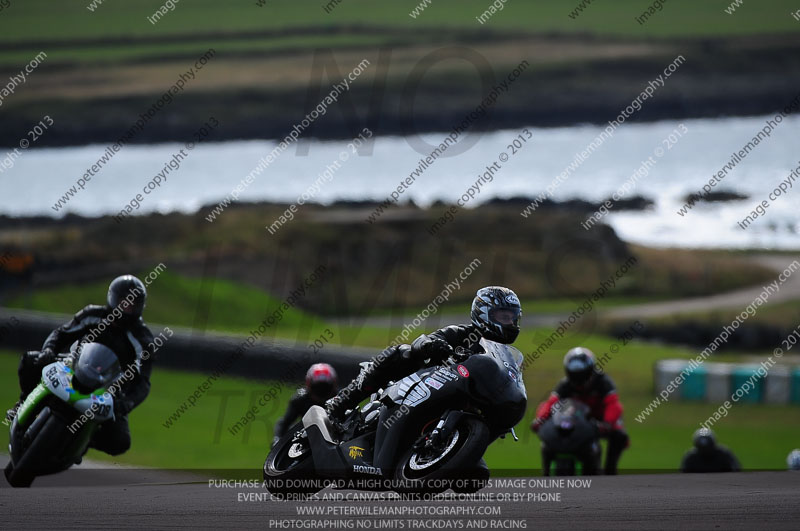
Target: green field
x=784 y=314
x=72 y=33
x=180 y=301
x=199 y=439
x=67 y=19
x=235 y=307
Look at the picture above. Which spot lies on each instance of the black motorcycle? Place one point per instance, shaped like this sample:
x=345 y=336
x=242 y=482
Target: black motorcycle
x=418 y=434
x=570 y=444
x=54 y=425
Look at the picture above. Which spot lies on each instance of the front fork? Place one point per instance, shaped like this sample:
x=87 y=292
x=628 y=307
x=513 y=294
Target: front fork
x=441 y=433
x=444 y=428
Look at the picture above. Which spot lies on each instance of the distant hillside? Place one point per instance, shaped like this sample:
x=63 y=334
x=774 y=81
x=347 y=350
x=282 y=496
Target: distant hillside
x=395 y=262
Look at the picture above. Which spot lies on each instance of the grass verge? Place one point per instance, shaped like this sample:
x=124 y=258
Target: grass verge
x=200 y=439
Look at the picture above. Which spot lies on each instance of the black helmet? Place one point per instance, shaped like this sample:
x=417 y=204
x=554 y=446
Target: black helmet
x=704 y=440
x=579 y=365
x=321 y=382
x=128 y=294
x=496 y=312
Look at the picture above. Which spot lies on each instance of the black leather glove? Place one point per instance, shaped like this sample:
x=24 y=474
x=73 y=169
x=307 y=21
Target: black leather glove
x=43 y=357
x=121 y=407
x=460 y=355
x=438 y=347
x=602 y=428
x=537 y=423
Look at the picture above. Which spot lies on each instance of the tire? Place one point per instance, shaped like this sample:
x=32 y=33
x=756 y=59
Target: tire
x=281 y=466
x=565 y=467
x=460 y=460
x=478 y=479
x=47 y=440
x=18 y=478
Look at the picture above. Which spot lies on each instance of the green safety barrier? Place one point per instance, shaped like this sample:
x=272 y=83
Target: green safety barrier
x=694 y=386
x=795 y=396
x=752 y=386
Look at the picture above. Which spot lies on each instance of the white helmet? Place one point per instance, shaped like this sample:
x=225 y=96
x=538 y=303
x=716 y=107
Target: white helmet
x=793 y=460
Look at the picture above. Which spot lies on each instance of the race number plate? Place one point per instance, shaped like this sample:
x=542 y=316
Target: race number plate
x=57 y=377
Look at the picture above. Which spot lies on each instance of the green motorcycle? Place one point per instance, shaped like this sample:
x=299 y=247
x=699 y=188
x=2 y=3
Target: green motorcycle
x=55 y=424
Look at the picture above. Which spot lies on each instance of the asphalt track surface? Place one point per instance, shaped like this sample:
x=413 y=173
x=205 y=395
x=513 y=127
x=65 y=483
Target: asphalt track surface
x=123 y=498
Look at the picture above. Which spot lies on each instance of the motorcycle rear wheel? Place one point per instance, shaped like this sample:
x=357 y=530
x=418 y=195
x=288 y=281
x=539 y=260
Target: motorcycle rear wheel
x=289 y=467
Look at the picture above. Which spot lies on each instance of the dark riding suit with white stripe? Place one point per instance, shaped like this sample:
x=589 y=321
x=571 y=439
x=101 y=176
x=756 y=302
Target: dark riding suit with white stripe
x=128 y=340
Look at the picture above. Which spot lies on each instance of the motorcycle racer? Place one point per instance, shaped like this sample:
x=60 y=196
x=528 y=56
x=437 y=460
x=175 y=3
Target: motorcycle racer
x=321 y=384
x=708 y=456
x=495 y=315
x=583 y=383
x=117 y=325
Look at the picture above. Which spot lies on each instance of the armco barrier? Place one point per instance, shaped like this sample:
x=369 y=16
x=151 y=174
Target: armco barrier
x=778 y=389
x=716 y=382
x=194 y=351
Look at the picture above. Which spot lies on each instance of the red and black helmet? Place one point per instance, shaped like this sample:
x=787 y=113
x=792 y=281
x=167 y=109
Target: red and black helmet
x=321 y=382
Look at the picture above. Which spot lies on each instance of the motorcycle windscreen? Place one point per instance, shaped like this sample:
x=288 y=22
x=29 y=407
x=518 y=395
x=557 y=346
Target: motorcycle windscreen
x=567 y=433
x=505 y=353
x=495 y=381
x=96 y=367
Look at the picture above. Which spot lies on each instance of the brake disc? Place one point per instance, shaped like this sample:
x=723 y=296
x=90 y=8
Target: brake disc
x=296 y=450
x=415 y=463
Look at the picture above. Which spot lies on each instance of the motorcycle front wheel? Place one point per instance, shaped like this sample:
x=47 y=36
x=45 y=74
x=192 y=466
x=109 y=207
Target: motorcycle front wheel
x=436 y=470
x=43 y=447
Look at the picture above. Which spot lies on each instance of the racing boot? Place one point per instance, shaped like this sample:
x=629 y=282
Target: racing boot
x=351 y=395
x=11 y=413
x=617 y=442
x=30 y=374
x=393 y=362
x=30 y=369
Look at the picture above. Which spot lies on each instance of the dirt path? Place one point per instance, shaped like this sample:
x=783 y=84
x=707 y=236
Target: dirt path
x=789 y=290
x=738 y=299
